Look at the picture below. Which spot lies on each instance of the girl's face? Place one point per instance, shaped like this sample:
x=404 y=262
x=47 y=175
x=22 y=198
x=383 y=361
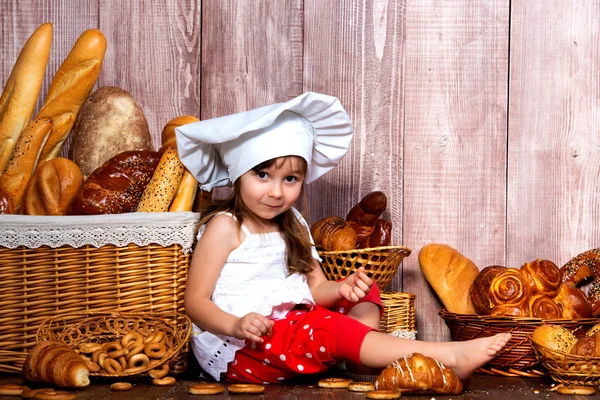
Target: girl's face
x=274 y=188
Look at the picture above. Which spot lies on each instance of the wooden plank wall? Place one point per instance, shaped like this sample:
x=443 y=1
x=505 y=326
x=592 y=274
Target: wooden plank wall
x=479 y=120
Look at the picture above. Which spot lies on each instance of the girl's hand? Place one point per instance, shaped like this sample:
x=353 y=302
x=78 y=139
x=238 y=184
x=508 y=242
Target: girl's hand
x=356 y=286
x=252 y=326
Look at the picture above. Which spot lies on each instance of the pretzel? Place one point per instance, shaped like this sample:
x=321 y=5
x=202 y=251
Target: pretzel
x=383 y=394
x=10 y=389
x=121 y=386
x=249 y=388
x=334 y=383
x=361 y=386
x=159 y=372
x=166 y=381
x=206 y=388
x=155 y=350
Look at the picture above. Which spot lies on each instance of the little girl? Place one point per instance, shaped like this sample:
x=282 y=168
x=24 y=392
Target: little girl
x=263 y=310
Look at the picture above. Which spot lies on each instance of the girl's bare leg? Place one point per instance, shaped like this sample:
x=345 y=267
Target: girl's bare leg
x=368 y=314
x=462 y=357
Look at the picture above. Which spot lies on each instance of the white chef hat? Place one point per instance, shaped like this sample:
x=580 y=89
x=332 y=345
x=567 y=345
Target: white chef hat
x=312 y=126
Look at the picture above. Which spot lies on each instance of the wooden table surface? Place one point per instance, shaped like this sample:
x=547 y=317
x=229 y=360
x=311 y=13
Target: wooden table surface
x=481 y=387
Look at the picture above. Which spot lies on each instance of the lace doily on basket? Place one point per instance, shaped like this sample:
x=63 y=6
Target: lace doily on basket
x=164 y=229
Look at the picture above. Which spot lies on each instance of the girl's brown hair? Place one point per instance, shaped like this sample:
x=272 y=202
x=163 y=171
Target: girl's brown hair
x=295 y=235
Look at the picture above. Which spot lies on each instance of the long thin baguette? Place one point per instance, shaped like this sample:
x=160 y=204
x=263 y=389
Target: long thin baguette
x=24 y=159
x=22 y=89
x=163 y=185
x=70 y=87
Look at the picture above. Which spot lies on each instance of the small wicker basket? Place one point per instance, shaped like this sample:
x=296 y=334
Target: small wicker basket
x=518 y=357
x=104 y=327
x=399 y=312
x=380 y=263
x=568 y=369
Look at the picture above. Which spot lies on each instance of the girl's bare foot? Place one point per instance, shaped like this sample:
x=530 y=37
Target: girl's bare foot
x=465 y=357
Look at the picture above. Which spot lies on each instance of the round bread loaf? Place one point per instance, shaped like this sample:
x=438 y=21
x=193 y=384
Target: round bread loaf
x=109 y=123
x=554 y=337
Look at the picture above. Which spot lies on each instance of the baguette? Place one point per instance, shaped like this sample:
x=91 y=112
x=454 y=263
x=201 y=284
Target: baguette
x=450 y=274
x=71 y=86
x=161 y=189
x=24 y=160
x=22 y=89
x=188 y=187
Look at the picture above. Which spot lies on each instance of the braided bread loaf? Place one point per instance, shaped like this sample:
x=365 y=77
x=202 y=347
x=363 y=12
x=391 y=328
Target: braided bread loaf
x=419 y=374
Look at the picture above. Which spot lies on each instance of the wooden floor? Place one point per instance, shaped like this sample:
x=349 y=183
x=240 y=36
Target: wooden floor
x=481 y=387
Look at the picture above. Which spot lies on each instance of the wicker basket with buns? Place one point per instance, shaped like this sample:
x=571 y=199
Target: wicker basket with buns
x=161 y=338
x=518 y=357
x=53 y=266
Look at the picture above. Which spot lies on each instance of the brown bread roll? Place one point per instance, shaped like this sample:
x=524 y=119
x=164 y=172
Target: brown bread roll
x=109 y=122
x=542 y=306
x=70 y=87
x=161 y=189
x=56 y=363
x=450 y=274
x=542 y=276
x=587 y=346
x=381 y=234
x=24 y=160
x=512 y=310
x=333 y=234
x=22 y=89
x=168 y=137
x=508 y=287
x=554 y=337
x=117 y=186
x=364 y=216
x=418 y=374
x=480 y=290
x=572 y=302
x=52 y=188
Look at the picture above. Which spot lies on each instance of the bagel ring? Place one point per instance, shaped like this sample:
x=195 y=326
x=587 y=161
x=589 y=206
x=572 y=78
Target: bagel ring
x=155 y=350
x=161 y=372
x=30 y=393
x=156 y=337
x=334 y=383
x=130 y=338
x=54 y=395
x=166 y=381
x=121 y=386
x=112 y=346
x=10 y=389
x=112 y=366
x=384 y=394
x=206 y=388
x=138 y=360
x=577 y=390
x=249 y=388
x=134 y=349
x=361 y=386
x=88 y=348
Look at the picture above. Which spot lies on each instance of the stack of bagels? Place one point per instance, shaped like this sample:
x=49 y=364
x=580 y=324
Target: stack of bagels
x=111 y=167
x=537 y=289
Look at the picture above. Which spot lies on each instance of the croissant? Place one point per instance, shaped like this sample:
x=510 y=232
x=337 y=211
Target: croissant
x=572 y=301
x=541 y=306
x=55 y=362
x=419 y=374
x=333 y=234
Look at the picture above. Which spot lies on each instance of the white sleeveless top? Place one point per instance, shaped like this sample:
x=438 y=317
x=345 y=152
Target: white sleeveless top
x=255 y=278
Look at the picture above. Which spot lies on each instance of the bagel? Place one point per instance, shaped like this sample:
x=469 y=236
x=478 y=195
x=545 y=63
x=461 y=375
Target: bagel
x=577 y=390
x=10 y=389
x=247 y=388
x=334 y=383
x=121 y=386
x=361 y=386
x=166 y=381
x=383 y=394
x=206 y=388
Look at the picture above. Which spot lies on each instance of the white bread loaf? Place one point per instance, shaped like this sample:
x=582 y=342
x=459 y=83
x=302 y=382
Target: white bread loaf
x=450 y=274
x=22 y=89
x=70 y=87
x=161 y=189
x=24 y=160
x=188 y=187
